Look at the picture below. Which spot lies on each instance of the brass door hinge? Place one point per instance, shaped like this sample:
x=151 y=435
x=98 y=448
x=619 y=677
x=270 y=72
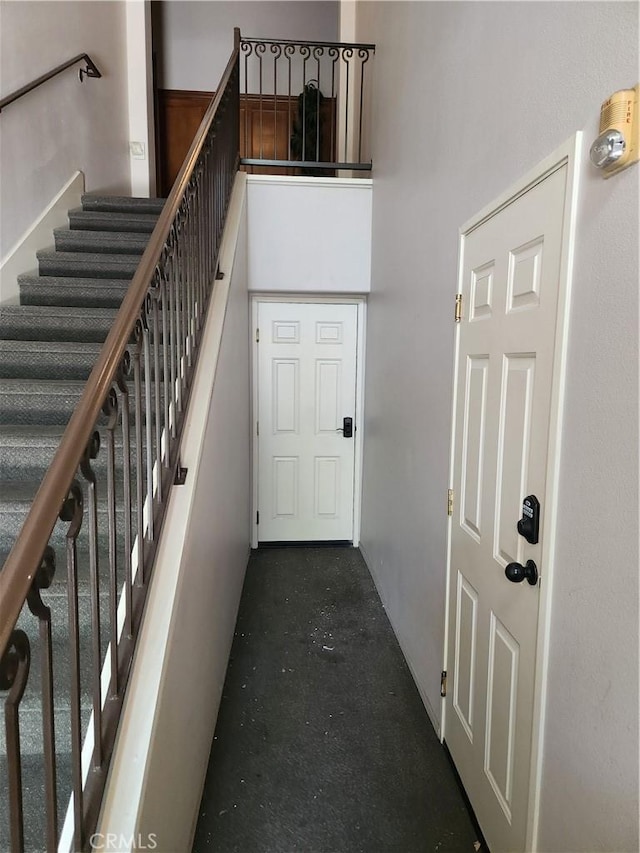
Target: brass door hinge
x=257 y=336
x=443 y=683
x=257 y=427
x=458 y=310
x=449 y=501
x=258 y=517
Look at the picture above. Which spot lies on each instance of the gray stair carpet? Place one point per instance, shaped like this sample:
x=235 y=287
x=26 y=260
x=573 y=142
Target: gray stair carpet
x=48 y=346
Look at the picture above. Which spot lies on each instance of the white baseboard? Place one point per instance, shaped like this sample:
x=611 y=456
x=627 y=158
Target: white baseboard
x=22 y=258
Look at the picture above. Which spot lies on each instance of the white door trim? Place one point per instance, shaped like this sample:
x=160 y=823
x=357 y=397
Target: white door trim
x=361 y=305
x=567 y=154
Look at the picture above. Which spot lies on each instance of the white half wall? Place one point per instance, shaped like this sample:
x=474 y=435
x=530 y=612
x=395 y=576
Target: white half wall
x=468 y=97
x=161 y=756
x=64 y=126
x=196 y=39
x=309 y=234
x=22 y=257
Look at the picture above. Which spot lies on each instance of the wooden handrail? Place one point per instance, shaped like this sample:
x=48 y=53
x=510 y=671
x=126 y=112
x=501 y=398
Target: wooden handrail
x=19 y=569
x=90 y=71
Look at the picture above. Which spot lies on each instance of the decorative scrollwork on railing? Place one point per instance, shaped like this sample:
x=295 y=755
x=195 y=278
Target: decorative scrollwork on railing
x=111 y=408
x=346 y=54
x=123 y=378
x=43 y=580
x=311 y=94
x=14 y=673
x=139 y=333
x=276 y=51
x=72 y=511
x=91 y=453
x=246 y=48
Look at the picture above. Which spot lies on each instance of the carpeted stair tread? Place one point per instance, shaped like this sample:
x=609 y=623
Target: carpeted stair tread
x=41 y=401
x=26 y=451
x=122 y=204
x=16 y=496
x=109 y=242
x=71 y=291
x=59 y=586
x=17 y=493
x=47 y=359
x=31 y=730
x=57 y=592
x=87 y=264
x=55 y=323
x=34 y=799
x=101 y=220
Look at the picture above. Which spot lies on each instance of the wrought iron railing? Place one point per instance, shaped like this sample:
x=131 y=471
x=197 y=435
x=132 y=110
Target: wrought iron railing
x=105 y=493
x=103 y=498
x=303 y=105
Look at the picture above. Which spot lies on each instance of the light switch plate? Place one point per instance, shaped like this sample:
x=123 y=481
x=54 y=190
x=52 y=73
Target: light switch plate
x=136 y=149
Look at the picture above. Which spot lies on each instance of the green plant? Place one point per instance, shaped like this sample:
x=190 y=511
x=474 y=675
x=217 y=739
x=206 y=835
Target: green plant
x=306 y=136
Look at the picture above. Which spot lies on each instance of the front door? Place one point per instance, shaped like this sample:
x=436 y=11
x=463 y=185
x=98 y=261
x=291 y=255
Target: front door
x=306 y=421
x=506 y=416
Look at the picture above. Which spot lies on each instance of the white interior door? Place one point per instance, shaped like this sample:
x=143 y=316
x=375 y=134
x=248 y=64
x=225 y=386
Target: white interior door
x=306 y=387
x=511 y=275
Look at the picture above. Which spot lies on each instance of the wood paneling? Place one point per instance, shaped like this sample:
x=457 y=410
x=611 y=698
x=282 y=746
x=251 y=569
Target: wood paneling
x=266 y=124
x=265 y=130
x=179 y=117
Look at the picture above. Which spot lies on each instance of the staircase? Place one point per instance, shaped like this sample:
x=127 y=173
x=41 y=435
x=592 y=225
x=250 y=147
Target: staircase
x=48 y=346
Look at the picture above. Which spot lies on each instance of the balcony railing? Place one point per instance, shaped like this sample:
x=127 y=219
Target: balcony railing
x=131 y=416
x=303 y=105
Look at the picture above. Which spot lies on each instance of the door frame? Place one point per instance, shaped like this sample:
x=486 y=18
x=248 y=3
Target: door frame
x=566 y=154
x=361 y=304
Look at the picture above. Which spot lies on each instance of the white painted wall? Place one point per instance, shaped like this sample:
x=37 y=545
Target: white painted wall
x=197 y=37
x=64 y=126
x=309 y=235
x=468 y=96
x=140 y=97
x=161 y=756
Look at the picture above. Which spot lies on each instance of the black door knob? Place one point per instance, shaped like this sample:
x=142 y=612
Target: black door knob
x=517 y=573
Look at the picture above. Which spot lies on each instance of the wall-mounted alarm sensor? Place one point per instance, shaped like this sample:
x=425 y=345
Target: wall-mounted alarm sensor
x=618 y=145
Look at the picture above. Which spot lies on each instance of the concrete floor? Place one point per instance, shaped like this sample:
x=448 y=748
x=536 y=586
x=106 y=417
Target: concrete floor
x=322 y=743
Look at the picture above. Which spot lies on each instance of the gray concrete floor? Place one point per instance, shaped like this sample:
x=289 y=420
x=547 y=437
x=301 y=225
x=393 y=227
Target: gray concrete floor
x=322 y=743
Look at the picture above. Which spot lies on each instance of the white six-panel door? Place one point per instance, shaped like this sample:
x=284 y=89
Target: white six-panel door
x=306 y=387
x=511 y=281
